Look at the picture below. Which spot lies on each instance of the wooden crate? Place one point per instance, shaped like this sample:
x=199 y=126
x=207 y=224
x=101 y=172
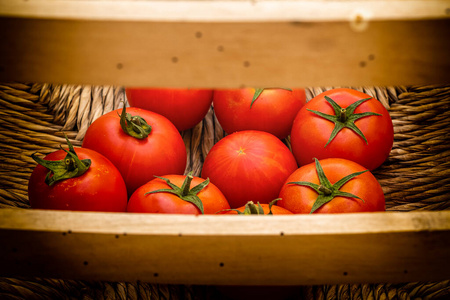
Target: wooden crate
x=226 y=43
x=223 y=44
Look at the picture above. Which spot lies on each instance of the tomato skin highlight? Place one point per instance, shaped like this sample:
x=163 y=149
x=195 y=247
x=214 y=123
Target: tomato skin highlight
x=310 y=132
x=300 y=199
x=163 y=202
x=274 y=110
x=101 y=188
x=185 y=108
x=249 y=166
x=162 y=152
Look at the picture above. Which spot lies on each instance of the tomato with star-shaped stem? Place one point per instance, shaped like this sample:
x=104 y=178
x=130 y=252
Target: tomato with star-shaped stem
x=178 y=194
x=343 y=123
x=77 y=179
x=332 y=185
x=250 y=208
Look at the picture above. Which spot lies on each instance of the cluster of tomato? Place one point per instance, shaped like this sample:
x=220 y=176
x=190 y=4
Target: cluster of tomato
x=133 y=159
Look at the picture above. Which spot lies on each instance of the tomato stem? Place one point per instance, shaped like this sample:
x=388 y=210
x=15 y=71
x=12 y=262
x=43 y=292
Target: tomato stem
x=135 y=126
x=69 y=167
x=253 y=209
x=343 y=115
x=186 y=185
x=325 y=190
x=259 y=91
x=185 y=192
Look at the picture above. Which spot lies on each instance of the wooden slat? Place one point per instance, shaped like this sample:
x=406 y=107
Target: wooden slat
x=226 y=44
x=278 y=250
x=231 y=10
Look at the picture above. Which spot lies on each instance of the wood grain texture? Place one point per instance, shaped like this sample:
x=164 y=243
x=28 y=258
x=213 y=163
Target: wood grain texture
x=228 y=10
x=279 y=250
x=217 y=54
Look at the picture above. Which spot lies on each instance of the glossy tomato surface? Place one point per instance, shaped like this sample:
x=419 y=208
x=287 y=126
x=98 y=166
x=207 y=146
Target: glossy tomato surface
x=185 y=108
x=300 y=199
x=101 y=188
x=162 y=202
x=273 y=111
x=138 y=160
x=249 y=166
x=310 y=132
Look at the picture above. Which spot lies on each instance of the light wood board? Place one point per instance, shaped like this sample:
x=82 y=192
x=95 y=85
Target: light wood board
x=218 y=44
x=228 y=250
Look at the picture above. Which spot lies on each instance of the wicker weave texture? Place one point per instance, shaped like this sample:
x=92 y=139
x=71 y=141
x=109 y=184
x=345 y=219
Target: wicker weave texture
x=415 y=177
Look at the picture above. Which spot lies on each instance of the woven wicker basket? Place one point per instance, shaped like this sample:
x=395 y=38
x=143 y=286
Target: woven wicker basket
x=415 y=176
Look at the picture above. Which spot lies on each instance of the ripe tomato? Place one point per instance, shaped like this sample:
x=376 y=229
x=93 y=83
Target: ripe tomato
x=185 y=108
x=99 y=188
x=272 y=111
x=311 y=134
x=249 y=166
x=138 y=157
x=335 y=191
x=178 y=194
x=258 y=209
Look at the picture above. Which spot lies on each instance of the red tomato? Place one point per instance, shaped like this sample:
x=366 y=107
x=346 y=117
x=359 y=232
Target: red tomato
x=185 y=108
x=100 y=188
x=311 y=132
x=138 y=160
x=276 y=210
x=300 y=199
x=273 y=111
x=249 y=166
x=167 y=202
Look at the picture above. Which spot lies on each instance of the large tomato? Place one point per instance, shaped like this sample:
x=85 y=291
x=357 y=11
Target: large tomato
x=362 y=131
x=81 y=180
x=185 y=108
x=269 y=110
x=178 y=194
x=249 y=166
x=332 y=185
x=152 y=147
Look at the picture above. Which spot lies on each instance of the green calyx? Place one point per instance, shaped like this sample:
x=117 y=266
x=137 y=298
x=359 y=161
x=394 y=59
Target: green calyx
x=135 y=126
x=325 y=189
x=69 y=167
x=344 y=117
x=254 y=209
x=185 y=192
x=259 y=91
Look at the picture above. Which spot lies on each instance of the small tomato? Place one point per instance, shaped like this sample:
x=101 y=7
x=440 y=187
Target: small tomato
x=258 y=209
x=173 y=194
x=332 y=185
x=76 y=179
